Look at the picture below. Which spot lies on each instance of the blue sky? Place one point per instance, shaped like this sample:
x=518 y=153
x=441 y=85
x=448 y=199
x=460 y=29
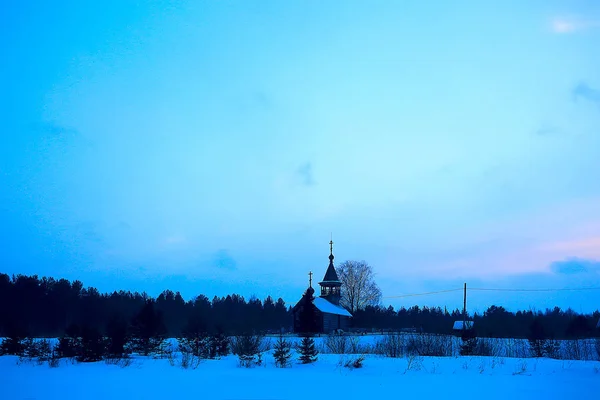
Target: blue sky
x=212 y=147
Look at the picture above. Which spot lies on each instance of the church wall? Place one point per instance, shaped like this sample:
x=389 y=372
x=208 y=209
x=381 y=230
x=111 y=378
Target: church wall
x=332 y=322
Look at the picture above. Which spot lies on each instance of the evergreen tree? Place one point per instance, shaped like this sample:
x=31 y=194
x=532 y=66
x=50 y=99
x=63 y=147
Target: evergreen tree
x=282 y=353
x=148 y=330
x=13 y=342
x=118 y=339
x=195 y=339
x=93 y=346
x=537 y=338
x=469 y=342
x=69 y=345
x=308 y=351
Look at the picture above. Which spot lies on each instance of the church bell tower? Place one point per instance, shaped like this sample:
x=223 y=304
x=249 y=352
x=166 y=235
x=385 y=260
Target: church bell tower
x=331 y=285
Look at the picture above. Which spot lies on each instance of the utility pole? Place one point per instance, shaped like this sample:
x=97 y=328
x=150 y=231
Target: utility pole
x=465 y=308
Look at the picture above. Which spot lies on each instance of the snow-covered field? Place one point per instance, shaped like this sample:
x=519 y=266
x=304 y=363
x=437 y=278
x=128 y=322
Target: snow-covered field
x=380 y=378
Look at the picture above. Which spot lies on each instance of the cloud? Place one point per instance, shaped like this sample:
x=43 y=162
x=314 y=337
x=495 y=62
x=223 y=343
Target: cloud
x=547 y=131
x=305 y=173
x=175 y=239
x=586 y=92
x=582 y=246
x=223 y=260
x=575 y=266
x=566 y=25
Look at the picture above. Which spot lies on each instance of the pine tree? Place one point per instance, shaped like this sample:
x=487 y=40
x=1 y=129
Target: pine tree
x=148 y=329
x=195 y=340
x=93 y=345
x=69 y=345
x=118 y=340
x=282 y=353
x=13 y=342
x=469 y=342
x=537 y=338
x=308 y=351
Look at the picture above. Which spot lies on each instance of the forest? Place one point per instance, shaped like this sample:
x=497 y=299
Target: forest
x=31 y=306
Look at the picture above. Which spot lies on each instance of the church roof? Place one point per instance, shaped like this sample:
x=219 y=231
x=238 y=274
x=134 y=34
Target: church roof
x=327 y=307
x=330 y=274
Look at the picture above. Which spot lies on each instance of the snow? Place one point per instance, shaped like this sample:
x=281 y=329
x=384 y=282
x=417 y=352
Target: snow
x=380 y=378
x=328 y=307
x=458 y=325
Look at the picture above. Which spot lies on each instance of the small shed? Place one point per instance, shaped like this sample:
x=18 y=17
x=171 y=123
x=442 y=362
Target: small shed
x=463 y=325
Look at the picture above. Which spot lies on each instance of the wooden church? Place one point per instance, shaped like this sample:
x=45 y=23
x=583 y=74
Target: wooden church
x=322 y=314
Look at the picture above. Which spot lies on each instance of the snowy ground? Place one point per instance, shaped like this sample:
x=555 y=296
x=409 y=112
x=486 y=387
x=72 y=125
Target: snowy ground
x=380 y=378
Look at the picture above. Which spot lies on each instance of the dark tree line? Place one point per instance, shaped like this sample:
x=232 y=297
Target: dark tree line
x=46 y=307
x=494 y=322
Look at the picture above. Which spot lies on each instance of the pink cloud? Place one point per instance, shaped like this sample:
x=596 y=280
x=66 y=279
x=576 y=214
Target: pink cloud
x=588 y=247
x=564 y=25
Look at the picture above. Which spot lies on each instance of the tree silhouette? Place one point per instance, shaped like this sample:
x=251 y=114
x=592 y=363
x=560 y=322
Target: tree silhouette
x=308 y=350
x=359 y=289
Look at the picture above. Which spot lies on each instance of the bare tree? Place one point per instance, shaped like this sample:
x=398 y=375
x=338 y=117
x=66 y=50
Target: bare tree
x=358 y=285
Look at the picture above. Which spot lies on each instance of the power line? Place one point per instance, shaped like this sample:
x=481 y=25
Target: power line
x=421 y=294
x=493 y=290
x=535 y=290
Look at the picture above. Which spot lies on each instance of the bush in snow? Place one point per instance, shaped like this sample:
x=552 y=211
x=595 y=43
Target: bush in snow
x=122 y=362
x=391 y=345
x=198 y=346
x=12 y=346
x=189 y=360
x=413 y=363
x=578 y=349
x=486 y=347
x=516 y=348
x=248 y=349
x=219 y=345
x=337 y=344
x=54 y=360
x=351 y=362
x=282 y=353
x=429 y=345
x=307 y=350
x=340 y=344
x=247 y=344
x=249 y=361
x=520 y=368
x=551 y=348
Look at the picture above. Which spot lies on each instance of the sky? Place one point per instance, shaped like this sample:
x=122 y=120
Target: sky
x=215 y=146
